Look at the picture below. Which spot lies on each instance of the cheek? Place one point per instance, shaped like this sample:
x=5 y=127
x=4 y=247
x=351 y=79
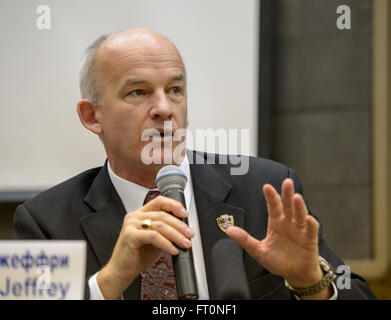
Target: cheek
x=121 y=127
x=182 y=115
x=127 y=127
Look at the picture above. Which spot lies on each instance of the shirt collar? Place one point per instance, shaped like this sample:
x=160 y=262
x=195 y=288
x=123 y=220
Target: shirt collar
x=132 y=194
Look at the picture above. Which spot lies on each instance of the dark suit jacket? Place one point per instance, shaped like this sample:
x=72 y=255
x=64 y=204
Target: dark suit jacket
x=88 y=207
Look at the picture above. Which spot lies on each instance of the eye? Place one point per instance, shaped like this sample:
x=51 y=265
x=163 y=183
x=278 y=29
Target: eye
x=137 y=92
x=176 y=90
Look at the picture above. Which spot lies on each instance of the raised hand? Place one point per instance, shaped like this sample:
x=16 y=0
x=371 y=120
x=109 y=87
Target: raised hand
x=290 y=248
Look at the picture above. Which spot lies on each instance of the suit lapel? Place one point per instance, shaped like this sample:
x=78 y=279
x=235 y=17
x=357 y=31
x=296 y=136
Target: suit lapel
x=103 y=225
x=213 y=195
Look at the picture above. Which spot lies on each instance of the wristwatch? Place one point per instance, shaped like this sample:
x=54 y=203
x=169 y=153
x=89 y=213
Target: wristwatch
x=328 y=278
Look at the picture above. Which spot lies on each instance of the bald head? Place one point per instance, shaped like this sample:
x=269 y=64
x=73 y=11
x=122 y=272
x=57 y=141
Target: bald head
x=136 y=39
x=106 y=57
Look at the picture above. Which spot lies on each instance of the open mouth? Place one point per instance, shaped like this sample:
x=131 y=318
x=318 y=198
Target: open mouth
x=161 y=134
x=155 y=134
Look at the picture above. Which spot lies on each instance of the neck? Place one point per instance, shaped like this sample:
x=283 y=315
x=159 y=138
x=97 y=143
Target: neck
x=141 y=174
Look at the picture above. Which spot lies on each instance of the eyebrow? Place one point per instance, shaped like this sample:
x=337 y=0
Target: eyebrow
x=130 y=82
x=178 y=77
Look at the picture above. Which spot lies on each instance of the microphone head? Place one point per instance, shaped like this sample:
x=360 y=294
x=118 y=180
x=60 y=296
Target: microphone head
x=170 y=177
x=230 y=280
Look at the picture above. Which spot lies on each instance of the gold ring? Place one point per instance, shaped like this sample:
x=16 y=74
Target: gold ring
x=146 y=224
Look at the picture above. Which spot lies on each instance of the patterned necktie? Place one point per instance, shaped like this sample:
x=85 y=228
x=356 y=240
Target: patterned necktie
x=158 y=281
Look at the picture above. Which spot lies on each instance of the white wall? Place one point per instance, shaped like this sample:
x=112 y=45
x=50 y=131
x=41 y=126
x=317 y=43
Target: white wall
x=41 y=139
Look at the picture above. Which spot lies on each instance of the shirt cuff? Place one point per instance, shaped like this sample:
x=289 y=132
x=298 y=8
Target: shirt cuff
x=95 y=293
x=333 y=297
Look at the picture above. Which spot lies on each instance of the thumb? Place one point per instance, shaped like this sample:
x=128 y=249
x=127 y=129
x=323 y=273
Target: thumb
x=247 y=242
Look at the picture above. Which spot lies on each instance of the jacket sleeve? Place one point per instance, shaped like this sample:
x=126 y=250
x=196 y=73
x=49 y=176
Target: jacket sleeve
x=359 y=288
x=25 y=227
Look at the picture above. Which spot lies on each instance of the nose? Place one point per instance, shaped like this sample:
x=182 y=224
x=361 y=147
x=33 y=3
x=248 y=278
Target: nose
x=162 y=106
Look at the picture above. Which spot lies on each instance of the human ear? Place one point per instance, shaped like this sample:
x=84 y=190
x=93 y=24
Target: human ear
x=87 y=116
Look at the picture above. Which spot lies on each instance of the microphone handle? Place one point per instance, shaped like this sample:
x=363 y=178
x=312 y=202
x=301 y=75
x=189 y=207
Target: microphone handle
x=183 y=262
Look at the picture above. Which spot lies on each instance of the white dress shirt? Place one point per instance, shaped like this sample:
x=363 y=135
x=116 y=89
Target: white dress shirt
x=132 y=196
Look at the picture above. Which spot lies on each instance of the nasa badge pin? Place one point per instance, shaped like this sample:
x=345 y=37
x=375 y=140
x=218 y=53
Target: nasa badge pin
x=225 y=221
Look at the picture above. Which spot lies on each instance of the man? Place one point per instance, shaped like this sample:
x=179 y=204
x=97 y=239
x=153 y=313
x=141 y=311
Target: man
x=135 y=81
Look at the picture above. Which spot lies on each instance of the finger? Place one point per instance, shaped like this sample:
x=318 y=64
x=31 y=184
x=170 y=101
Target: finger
x=156 y=239
x=300 y=211
x=273 y=200
x=312 y=227
x=167 y=218
x=167 y=205
x=170 y=234
x=287 y=193
x=247 y=242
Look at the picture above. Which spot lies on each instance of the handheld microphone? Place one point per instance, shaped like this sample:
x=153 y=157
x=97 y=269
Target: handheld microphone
x=229 y=275
x=171 y=182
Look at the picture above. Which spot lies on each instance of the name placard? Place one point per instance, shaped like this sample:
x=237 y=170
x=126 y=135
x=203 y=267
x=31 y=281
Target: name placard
x=42 y=269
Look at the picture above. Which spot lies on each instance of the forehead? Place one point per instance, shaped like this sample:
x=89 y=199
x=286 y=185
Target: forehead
x=125 y=56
